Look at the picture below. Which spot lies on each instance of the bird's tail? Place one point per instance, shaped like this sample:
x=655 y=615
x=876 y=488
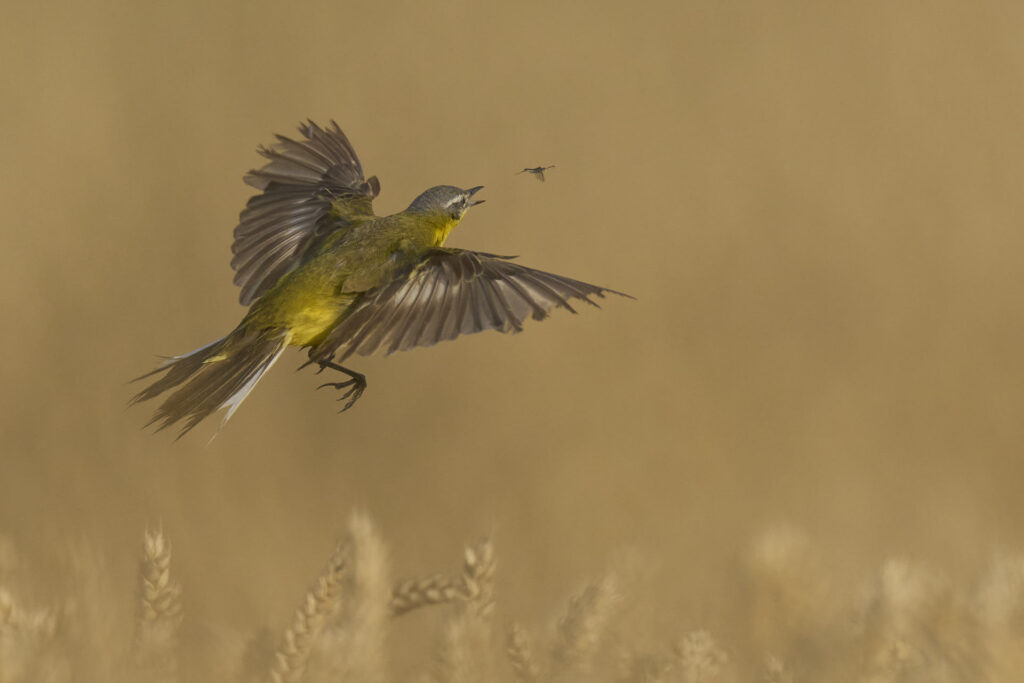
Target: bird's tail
x=218 y=375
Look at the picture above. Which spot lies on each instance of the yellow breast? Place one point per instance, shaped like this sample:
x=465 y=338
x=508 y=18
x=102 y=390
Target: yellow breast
x=442 y=231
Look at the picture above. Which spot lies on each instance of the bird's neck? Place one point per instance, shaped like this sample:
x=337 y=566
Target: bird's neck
x=439 y=228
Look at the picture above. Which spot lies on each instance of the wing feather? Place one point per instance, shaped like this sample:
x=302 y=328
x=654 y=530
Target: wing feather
x=310 y=188
x=512 y=318
x=542 y=293
x=421 y=315
x=451 y=292
x=406 y=315
x=381 y=319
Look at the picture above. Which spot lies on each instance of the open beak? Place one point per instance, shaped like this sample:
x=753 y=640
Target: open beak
x=472 y=191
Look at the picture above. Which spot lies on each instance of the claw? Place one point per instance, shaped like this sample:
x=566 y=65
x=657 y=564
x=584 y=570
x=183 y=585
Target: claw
x=353 y=394
x=339 y=385
x=357 y=384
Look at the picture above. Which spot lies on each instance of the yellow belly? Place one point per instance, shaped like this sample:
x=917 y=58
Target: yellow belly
x=305 y=312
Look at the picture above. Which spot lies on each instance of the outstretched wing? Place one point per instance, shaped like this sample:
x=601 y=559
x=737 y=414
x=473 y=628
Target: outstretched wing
x=311 y=188
x=448 y=293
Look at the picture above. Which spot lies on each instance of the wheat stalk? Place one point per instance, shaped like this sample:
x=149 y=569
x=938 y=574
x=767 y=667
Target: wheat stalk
x=159 y=612
x=321 y=601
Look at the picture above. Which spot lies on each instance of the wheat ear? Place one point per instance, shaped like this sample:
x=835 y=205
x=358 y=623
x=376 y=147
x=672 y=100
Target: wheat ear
x=699 y=657
x=474 y=585
x=415 y=593
x=775 y=671
x=352 y=646
x=159 y=611
x=322 y=600
x=25 y=637
x=580 y=630
x=520 y=653
x=466 y=638
x=478 y=567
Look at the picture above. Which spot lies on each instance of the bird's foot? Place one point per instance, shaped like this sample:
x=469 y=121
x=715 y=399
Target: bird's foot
x=356 y=386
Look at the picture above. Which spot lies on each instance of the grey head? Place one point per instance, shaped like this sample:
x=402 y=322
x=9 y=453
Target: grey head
x=446 y=199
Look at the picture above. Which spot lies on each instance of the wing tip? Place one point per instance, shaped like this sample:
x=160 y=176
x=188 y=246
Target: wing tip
x=605 y=290
x=309 y=128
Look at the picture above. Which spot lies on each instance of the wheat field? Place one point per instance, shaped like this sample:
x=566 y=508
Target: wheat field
x=904 y=621
x=796 y=456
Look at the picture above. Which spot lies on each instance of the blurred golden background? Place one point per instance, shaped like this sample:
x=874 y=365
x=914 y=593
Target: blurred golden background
x=817 y=206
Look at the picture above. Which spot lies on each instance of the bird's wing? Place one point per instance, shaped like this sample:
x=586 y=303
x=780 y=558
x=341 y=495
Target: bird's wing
x=311 y=188
x=448 y=293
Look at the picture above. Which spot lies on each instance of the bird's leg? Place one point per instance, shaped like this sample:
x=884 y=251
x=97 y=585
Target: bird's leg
x=357 y=383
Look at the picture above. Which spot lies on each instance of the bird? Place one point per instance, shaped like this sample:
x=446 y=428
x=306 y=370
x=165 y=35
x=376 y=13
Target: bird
x=320 y=271
x=537 y=171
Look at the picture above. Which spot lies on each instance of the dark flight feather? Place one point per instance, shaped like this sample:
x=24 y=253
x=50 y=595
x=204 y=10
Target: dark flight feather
x=451 y=292
x=311 y=188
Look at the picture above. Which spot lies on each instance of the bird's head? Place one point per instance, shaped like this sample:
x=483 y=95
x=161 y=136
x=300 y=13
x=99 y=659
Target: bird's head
x=446 y=200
